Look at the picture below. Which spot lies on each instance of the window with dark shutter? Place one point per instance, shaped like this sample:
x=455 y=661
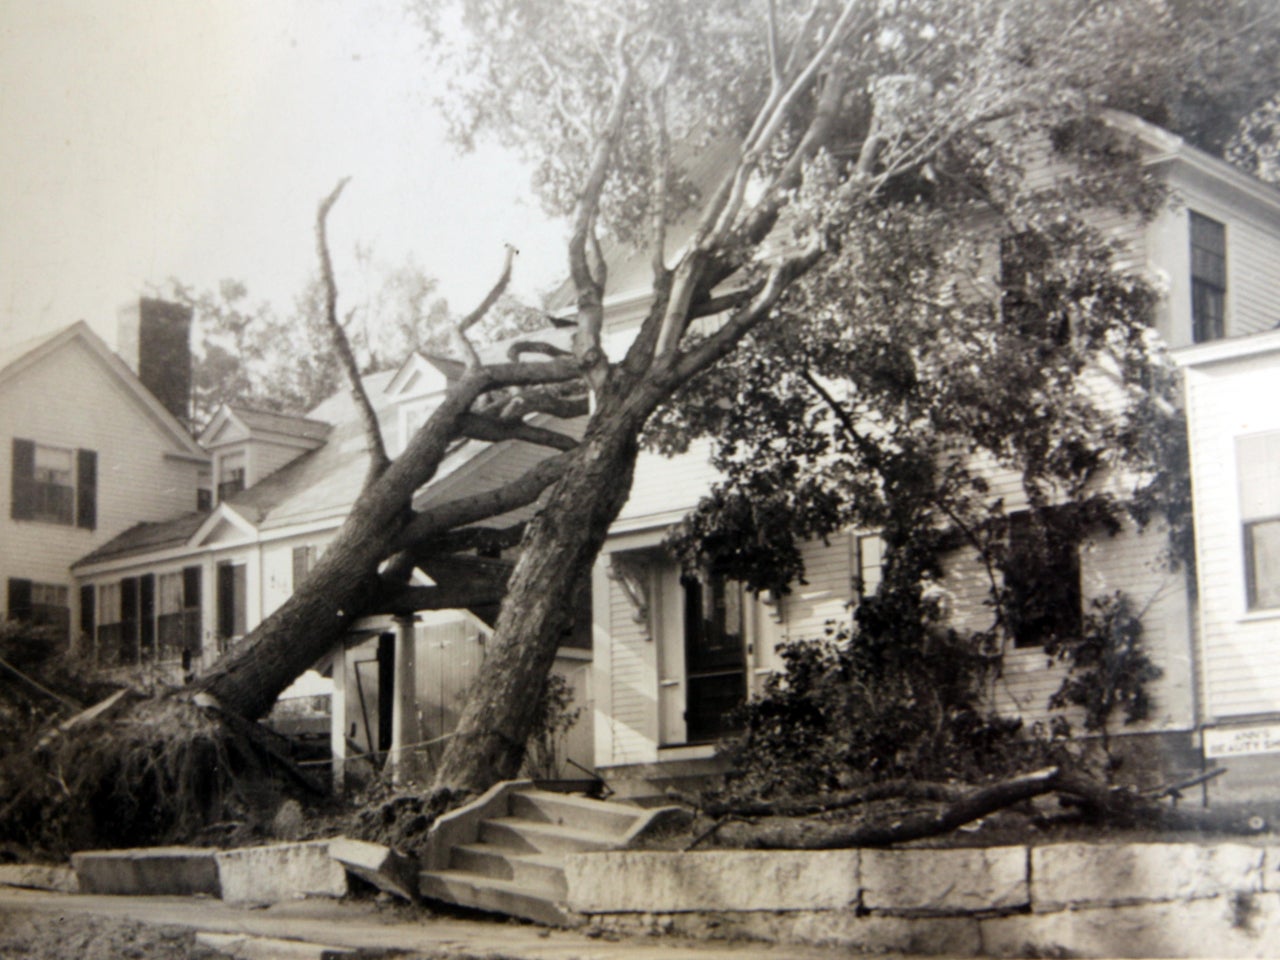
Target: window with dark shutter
x=19 y=599
x=22 y=491
x=86 y=489
x=232 y=594
x=44 y=484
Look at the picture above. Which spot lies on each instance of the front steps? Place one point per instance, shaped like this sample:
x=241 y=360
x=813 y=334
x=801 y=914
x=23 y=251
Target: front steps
x=505 y=853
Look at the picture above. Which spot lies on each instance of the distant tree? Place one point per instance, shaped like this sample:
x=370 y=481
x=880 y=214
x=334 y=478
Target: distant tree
x=245 y=352
x=1255 y=147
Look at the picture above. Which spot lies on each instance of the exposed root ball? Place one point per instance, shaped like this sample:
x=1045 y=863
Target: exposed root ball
x=157 y=770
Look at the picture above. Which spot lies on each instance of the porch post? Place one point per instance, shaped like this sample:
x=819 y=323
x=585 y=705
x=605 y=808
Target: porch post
x=404 y=705
x=338 y=719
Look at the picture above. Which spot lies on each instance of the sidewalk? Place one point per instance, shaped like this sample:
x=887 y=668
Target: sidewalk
x=364 y=925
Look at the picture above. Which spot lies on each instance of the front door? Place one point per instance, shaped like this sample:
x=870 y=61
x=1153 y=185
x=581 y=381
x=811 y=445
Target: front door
x=715 y=656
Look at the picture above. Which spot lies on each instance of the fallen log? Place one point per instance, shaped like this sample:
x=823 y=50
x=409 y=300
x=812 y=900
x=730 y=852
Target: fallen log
x=799 y=834
x=886 y=790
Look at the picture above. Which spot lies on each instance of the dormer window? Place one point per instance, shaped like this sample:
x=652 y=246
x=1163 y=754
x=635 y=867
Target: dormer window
x=231 y=476
x=1208 y=278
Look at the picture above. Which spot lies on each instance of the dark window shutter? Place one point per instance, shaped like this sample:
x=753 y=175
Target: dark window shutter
x=86 y=611
x=86 y=489
x=241 y=580
x=19 y=599
x=129 y=620
x=147 y=611
x=191 y=588
x=229 y=614
x=22 y=506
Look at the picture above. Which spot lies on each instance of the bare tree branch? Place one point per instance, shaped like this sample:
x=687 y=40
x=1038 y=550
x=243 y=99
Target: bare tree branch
x=521 y=347
x=590 y=293
x=460 y=329
x=560 y=404
x=661 y=171
x=693 y=361
x=378 y=459
x=493 y=430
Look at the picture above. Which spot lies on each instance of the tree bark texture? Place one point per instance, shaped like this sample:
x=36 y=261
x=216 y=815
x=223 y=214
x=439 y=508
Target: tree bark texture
x=559 y=549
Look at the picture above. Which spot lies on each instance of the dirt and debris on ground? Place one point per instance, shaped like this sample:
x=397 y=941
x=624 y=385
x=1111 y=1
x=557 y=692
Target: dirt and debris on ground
x=39 y=936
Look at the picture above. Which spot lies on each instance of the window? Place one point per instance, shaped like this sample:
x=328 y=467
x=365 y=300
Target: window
x=1208 y=278
x=112 y=648
x=40 y=604
x=231 y=476
x=1258 y=466
x=870 y=564
x=232 y=597
x=54 y=484
x=204 y=499
x=147 y=618
x=1042 y=580
x=178 y=615
x=1027 y=300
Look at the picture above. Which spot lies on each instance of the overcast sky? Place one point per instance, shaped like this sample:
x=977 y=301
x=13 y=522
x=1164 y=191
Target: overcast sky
x=148 y=139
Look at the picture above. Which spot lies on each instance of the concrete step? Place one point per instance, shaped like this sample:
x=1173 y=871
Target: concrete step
x=540 y=870
x=578 y=813
x=496 y=896
x=529 y=836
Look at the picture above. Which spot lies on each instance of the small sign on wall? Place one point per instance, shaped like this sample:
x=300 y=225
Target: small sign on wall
x=1241 y=741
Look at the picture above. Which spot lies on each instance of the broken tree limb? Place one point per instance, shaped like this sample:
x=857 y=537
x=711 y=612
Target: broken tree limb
x=815 y=835
x=378 y=459
x=887 y=790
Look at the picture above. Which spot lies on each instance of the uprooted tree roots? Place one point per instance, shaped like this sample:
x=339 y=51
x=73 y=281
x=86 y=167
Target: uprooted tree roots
x=151 y=770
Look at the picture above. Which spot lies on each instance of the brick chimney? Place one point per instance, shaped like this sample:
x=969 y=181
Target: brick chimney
x=155 y=341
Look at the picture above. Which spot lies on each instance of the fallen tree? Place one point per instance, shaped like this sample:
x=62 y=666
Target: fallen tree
x=792 y=825
x=825 y=120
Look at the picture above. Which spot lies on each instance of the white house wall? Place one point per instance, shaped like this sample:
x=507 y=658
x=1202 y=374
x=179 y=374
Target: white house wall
x=1241 y=669
x=1253 y=257
x=69 y=400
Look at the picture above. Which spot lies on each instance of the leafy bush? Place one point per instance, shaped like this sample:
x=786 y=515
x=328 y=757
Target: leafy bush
x=835 y=716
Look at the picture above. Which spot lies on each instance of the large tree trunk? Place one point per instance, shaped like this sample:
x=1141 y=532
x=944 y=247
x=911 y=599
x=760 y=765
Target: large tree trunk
x=557 y=554
x=344 y=582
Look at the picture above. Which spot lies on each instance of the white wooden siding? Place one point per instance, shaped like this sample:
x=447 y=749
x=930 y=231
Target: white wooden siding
x=1253 y=259
x=69 y=399
x=1240 y=650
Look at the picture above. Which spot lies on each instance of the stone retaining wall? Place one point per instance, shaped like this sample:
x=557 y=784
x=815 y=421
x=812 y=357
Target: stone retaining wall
x=1068 y=899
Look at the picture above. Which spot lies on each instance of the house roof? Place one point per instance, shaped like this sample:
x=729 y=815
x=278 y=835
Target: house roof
x=321 y=484
x=263 y=424
x=1228 y=349
x=22 y=356
x=146 y=537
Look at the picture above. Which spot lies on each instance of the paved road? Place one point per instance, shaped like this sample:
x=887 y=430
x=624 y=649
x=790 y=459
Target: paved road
x=363 y=924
